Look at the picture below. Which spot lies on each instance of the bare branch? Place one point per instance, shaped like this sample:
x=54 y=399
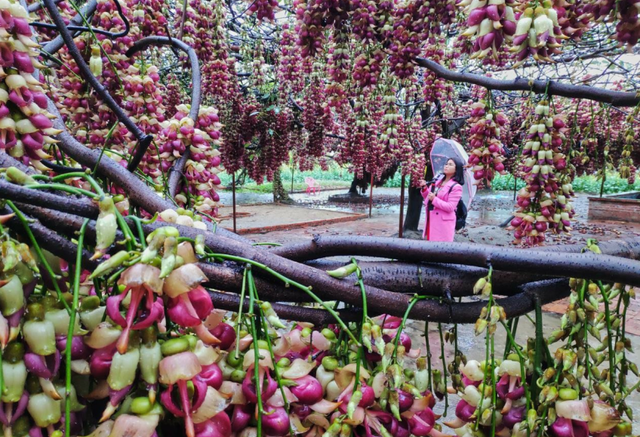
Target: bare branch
x=614 y=98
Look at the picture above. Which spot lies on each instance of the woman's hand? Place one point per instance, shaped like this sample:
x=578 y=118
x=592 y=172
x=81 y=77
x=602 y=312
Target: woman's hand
x=431 y=196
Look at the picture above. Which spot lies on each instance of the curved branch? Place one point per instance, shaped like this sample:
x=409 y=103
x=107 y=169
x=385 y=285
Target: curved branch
x=614 y=98
x=176 y=173
x=143 y=139
x=56 y=44
x=196 y=83
x=81 y=29
x=603 y=267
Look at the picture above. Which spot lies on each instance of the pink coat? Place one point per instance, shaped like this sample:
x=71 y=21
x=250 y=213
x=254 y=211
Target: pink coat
x=441 y=221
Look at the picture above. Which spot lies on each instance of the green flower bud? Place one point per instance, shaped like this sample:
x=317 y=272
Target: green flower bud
x=106 y=226
x=343 y=272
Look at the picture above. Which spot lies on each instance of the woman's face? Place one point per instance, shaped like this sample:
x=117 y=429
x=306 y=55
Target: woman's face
x=449 y=168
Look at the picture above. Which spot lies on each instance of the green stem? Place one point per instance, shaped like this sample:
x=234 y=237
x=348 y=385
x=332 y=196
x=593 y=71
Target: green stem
x=426 y=338
x=41 y=256
x=72 y=322
x=412 y=302
x=62 y=187
x=364 y=319
x=256 y=350
x=612 y=357
x=444 y=369
x=87 y=177
x=239 y=318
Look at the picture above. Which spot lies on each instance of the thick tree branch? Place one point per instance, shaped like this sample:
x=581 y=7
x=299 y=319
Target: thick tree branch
x=614 y=98
x=588 y=266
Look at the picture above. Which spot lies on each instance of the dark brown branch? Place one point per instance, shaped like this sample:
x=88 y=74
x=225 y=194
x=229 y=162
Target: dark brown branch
x=56 y=44
x=142 y=138
x=139 y=193
x=614 y=98
x=603 y=267
x=72 y=205
x=175 y=175
x=196 y=82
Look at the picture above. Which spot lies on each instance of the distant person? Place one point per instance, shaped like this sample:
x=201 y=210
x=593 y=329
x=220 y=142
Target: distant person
x=441 y=197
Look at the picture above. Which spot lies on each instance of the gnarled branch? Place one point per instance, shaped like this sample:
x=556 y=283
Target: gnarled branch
x=614 y=98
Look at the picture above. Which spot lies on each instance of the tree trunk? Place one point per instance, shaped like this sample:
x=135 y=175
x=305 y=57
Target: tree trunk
x=279 y=193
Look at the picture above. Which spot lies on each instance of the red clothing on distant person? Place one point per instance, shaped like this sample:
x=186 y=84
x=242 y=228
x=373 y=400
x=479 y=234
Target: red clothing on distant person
x=441 y=220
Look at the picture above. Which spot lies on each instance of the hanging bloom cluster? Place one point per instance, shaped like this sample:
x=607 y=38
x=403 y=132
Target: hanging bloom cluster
x=264 y=9
x=573 y=17
x=490 y=24
x=371 y=19
x=537 y=33
x=148 y=16
x=368 y=67
x=25 y=125
x=434 y=87
x=289 y=70
x=316 y=118
x=420 y=139
x=544 y=203
x=202 y=168
x=143 y=101
x=204 y=31
x=436 y=15
x=338 y=64
x=626 y=167
x=232 y=149
x=310 y=25
x=487 y=154
x=625 y=12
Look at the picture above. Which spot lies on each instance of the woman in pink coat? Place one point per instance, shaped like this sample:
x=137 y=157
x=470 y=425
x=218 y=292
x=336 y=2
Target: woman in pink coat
x=441 y=201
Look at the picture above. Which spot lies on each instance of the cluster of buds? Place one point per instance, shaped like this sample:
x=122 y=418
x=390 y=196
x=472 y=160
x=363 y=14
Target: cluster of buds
x=484 y=138
x=626 y=168
x=338 y=63
x=289 y=71
x=26 y=128
x=372 y=20
x=317 y=118
x=491 y=23
x=627 y=31
x=544 y=203
x=537 y=33
x=310 y=25
x=148 y=17
x=573 y=18
x=434 y=87
x=352 y=152
x=264 y=9
x=367 y=68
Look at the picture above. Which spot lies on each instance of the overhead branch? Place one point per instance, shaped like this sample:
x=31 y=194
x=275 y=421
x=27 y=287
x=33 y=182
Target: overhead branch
x=196 y=82
x=614 y=98
x=143 y=139
x=56 y=44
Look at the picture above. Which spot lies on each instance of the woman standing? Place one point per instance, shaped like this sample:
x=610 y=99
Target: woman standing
x=441 y=201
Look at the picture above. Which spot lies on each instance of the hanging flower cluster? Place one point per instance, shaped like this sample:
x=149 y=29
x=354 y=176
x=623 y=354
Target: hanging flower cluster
x=202 y=168
x=289 y=70
x=487 y=154
x=434 y=87
x=264 y=9
x=371 y=20
x=368 y=67
x=537 y=33
x=148 y=16
x=26 y=127
x=545 y=202
x=626 y=167
x=491 y=24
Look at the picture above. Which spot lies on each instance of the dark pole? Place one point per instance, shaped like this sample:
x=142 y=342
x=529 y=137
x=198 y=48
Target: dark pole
x=371 y=196
x=233 y=188
x=401 y=206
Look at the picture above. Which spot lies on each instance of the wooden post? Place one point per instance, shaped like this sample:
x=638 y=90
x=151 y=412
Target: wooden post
x=401 y=206
x=292 y=170
x=371 y=196
x=233 y=188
